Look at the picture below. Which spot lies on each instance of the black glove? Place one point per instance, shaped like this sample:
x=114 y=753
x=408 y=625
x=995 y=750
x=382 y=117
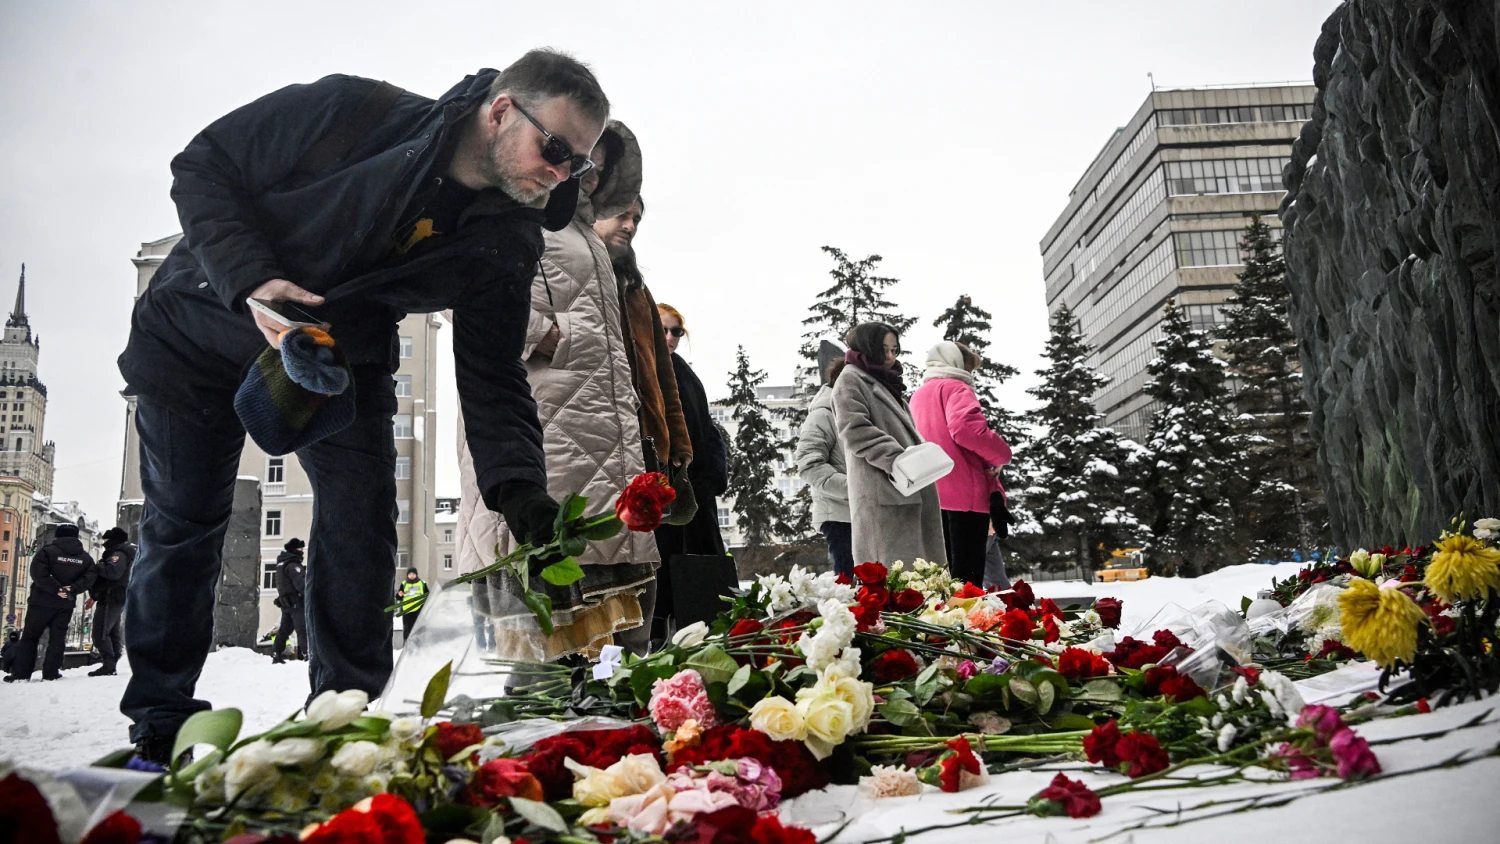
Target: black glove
x=999 y=515
x=528 y=510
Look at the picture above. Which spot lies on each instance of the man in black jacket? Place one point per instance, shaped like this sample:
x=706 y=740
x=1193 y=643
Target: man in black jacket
x=363 y=207
x=290 y=584
x=108 y=598
x=60 y=571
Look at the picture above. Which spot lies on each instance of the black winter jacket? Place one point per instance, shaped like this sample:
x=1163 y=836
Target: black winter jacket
x=709 y=470
x=291 y=579
x=114 y=572
x=247 y=217
x=61 y=562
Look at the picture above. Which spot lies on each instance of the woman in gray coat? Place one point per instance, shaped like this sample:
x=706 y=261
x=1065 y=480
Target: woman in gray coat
x=820 y=463
x=875 y=425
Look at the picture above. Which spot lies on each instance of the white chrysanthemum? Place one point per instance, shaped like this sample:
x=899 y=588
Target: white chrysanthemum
x=777 y=593
x=1223 y=702
x=1240 y=691
x=1286 y=693
x=1277 y=711
x=1226 y=737
x=847 y=663
x=838 y=620
x=290 y=795
x=820 y=650
x=1091 y=618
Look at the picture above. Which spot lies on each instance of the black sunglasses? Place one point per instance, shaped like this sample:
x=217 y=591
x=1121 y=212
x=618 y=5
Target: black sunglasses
x=556 y=151
x=675 y=331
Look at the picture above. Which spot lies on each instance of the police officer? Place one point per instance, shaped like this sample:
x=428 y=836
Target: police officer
x=59 y=572
x=412 y=587
x=108 y=598
x=291 y=582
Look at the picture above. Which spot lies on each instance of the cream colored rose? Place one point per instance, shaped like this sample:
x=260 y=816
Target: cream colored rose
x=595 y=786
x=829 y=720
x=858 y=694
x=638 y=772
x=779 y=719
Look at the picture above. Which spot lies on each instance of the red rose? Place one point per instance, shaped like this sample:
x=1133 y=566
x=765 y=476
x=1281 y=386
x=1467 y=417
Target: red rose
x=768 y=830
x=1100 y=743
x=502 y=778
x=867 y=611
x=1071 y=796
x=1015 y=624
x=640 y=504
x=1109 y=612
x=894 y=665
x=876 y=594
x=117 y=828
x=1133 y=653
x=963 y=759
x=1020 y=597
x=1164 y=680
x=745 y=627
x=350 y=826
x=907 y=600
x=1251 y=675
x=1143 y=753
x=451 y=738
x=398 y=821
x=968 y=590
x=1079 y=664
x=1050 y=633
x=870 y=574
x=1167 y=639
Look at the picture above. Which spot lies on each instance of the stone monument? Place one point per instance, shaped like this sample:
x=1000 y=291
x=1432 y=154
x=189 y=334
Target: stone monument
x=237 y=608
x=1392 y=216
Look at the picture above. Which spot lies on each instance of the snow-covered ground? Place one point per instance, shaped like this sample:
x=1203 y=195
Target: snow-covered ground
x=77 y=719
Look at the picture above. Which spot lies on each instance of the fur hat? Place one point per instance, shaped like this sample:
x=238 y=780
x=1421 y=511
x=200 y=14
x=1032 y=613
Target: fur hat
x=115 y=534
x=294 y=544
x=66 y=530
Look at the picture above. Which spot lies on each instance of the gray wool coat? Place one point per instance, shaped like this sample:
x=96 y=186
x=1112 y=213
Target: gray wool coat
x=820 y=461
x=875 y=428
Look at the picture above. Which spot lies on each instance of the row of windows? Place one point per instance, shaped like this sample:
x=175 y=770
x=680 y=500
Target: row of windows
x=1225 y=175
x=1205 y=317
x=1145 y=200
x=276 y=470
x=274 y=521
x=1130 y=360
x=1065 y=240
x=1213 y=249
x=1129 y=290
x=1234 y=114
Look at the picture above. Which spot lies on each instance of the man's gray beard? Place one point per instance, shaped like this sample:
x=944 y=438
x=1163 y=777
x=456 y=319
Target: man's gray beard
x=513 y=189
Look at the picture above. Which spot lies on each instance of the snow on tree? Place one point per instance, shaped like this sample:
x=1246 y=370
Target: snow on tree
x=1079 y=493
x=1283 y=511
x=764 y=515
x=857 y=295
x=1198 y=458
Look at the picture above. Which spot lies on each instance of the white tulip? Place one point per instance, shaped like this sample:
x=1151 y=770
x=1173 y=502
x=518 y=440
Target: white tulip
x=407 y=729
x=296 y=751
x=248 y=767
x=691 y=636
x=337 y=709
x=357 y=758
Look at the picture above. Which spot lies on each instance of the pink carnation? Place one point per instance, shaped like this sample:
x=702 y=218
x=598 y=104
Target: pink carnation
x=1356 y=759
x=1324 y=721
x=680 y=698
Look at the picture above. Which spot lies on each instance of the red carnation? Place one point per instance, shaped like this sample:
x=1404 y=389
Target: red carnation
x=1015 y=624
x=1050 y=633
x=1048 y=607
x=843 y=579
x=347 y=827
x=867 y=611
x=952 y=767
x=1071 y=796
x=1109 y=611
x=1334 y=649
x=1079 y=664
x=1100 y=744
x=907 y=600
x=768 y=830
x=870 y=574
x=1020 y=597
x=1251 y=675
x=1143 y=753
x=894 y=665
x=451 y=737
x=398 y=821
x=968 y=590
x=1133 y=653
x=502 y=778
x=1164 y=680
x=640 y=504
x=1167 y=639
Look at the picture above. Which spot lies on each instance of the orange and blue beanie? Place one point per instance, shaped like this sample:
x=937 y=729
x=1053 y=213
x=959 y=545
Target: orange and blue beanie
x=299 y=395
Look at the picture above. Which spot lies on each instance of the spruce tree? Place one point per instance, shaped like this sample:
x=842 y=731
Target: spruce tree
x=1079 y=493
x=764 y=515
x=1197 y=454
x=1283 y=512
x=857 y=295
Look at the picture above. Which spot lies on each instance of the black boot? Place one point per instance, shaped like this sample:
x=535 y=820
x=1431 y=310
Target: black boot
x=277 y=659
x=105 y=670
x=158 y=750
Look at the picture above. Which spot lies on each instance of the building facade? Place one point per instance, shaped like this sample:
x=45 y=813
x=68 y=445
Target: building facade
x=788 y=483
x=24 y=452
x=1159 y=214
x=286 y=492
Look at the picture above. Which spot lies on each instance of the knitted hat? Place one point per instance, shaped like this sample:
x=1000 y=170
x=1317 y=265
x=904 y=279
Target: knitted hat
x=65 y=530
x=297 y=396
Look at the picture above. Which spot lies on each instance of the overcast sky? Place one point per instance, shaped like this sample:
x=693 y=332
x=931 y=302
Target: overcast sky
x=943 y=136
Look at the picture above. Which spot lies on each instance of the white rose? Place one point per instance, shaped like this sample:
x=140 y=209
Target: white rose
x=595 y=786
x=691 y=636
x=829 y=720
x=297 y=751
x=337 y=709
x=779 y=719
x=248 y=767
x=638 y=772
x=357 y=758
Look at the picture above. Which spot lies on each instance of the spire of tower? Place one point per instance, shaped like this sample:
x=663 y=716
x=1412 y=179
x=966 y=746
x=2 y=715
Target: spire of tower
x=18 y=316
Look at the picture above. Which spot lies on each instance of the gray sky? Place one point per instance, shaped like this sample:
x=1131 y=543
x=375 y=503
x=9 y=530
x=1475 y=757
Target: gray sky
x=943 y=136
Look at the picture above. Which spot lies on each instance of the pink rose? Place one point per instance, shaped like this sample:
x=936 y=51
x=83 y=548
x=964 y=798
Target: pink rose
x=1324 y=721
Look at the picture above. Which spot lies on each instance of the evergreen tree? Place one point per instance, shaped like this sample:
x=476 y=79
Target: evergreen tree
x=1079 y=492
x=1283 y=511
x=1198 y=455
x=857 y=295
x=764 y=515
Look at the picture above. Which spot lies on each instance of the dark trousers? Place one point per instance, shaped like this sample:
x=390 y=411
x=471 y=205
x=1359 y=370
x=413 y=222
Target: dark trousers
x=840 y=536
x=408 y=621
x=107 y=638
x=40 y=620
x=965 y=535
x=188 y=473
x=293 y=618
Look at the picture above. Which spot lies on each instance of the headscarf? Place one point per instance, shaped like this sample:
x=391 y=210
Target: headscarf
x=946 y=360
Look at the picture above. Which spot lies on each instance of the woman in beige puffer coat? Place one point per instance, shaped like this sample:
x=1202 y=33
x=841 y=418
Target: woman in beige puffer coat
x=589 y=413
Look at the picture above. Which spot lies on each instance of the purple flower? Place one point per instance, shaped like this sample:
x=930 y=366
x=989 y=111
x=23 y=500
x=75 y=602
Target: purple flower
x=967 y=669
x=999 y=666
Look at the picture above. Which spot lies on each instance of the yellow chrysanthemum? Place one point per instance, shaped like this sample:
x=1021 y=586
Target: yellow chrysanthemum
x=1380 y=623
x=1463 y=569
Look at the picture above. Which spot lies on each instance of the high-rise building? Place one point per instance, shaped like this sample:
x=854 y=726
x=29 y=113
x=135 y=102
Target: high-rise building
x=1159 y=214
x=286 y=492
x=24 y=453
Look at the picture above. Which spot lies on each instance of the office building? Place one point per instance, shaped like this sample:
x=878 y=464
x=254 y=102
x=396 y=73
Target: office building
x=1158 y=214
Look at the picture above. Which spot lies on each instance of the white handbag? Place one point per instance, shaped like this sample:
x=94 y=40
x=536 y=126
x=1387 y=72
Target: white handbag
x=919 y=467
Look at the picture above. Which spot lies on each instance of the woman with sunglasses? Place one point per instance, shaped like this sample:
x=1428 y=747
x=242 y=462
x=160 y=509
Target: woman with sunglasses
x=579 y=370
x=875 y=426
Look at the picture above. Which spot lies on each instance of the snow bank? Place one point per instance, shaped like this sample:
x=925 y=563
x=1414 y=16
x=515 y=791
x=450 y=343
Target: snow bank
x=1142 y=598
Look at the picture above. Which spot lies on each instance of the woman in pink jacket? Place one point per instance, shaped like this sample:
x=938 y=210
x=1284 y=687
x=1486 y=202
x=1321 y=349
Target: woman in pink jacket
x=947 y=412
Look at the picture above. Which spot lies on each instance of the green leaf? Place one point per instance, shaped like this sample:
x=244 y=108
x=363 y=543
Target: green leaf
x=1101 y=691
x=902 y=713
x=451 y=820
x=494 y=829
x=1245 y=603
x=1071 y=721
x=740 y=678
x=927 y=674
x=713 y=664
x=292 y=729
x=563 y=572
x=117 y=759
x=436 y=692
x=603 y=529
x=1025 y=691
x=540 y=605
x=571 y=510
x=372 y=726
x=1048 y=695
x=218 y=727
x=985 y=686
x=572 y=546
x=539 y=814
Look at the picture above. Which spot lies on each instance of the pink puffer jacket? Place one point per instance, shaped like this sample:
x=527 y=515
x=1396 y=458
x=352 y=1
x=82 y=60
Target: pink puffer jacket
x=947 y=413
